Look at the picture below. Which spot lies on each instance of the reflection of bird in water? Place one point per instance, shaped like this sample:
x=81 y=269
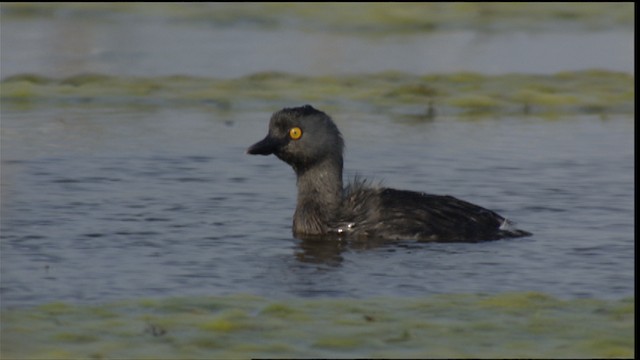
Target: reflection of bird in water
x=316 y=251
x=309 y=141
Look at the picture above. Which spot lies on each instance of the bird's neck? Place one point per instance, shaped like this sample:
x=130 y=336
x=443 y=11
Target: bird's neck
x=319 y=197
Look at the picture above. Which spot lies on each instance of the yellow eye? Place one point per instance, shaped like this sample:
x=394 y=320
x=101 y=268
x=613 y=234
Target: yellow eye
x=295 y=133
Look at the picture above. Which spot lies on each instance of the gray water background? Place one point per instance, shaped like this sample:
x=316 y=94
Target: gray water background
x=66 y=46
x=103 y=203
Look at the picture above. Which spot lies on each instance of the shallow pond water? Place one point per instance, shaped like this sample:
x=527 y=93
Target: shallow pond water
x=231 y=41
x=103 y=203
x=133 y=225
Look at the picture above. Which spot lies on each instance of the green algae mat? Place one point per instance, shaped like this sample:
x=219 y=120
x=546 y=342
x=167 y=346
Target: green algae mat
x=586 y=92
x=526 y=324
x=357 y=18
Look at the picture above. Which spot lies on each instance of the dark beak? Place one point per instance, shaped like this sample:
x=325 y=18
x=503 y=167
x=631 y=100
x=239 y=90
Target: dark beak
x=266 y=146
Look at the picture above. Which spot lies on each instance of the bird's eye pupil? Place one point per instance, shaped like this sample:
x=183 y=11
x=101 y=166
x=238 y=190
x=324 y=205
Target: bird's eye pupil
x=295 y=133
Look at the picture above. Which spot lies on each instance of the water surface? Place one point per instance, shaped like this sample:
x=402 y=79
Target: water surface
x=134 y=225
x=101 y=204
x=68 y=45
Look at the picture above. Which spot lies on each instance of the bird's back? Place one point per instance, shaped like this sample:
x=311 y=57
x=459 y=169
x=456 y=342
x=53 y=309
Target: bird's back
x=400 y=214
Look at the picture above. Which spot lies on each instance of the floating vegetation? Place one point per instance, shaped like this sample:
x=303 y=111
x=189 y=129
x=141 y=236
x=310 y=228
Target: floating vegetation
x=525 y=324
x=354 y=18
x=591 y=92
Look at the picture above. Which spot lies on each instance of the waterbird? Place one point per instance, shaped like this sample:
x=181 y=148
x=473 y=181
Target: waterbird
x=309 y=141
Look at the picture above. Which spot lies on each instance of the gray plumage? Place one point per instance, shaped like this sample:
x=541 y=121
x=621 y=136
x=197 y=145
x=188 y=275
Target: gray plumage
x=360 y=211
